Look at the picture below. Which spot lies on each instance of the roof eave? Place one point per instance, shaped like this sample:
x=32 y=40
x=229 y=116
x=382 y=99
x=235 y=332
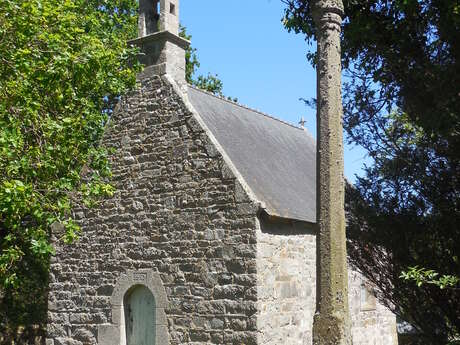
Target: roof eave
x=268 y=216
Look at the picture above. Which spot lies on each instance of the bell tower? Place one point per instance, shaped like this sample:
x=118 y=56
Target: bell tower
x=162 y=50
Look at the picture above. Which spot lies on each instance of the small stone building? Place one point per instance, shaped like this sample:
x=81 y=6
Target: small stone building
x=210 y=238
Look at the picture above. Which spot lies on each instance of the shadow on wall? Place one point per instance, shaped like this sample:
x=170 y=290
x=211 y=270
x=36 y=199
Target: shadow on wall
x=285 y=227
x=414 y=339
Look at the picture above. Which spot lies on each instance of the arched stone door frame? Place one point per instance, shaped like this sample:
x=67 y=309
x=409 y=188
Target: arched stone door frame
x=114 y=333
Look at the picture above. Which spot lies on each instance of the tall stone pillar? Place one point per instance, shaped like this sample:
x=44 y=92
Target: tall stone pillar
x=331 y=323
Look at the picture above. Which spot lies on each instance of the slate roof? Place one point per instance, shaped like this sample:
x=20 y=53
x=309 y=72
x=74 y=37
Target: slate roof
x=277 y=160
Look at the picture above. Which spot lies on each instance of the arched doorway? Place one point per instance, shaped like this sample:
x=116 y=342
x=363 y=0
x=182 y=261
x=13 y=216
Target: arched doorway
x=139 y=309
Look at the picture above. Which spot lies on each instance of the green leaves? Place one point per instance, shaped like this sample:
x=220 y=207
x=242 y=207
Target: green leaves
x=61 y=64
x=41 y=247
x=424 y=276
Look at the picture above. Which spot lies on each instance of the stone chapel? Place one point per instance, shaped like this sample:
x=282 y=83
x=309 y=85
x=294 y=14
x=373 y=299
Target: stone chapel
x=210 y=238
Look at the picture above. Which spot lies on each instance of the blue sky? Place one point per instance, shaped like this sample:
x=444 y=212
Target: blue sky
x=259 y=62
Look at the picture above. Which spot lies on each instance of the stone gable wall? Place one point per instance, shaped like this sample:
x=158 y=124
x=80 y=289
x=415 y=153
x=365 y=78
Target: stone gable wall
x=177 y=211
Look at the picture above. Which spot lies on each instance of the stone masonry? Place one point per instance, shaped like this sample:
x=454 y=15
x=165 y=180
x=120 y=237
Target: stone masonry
x=286 y=264
x=178 y=211
x=286 y=272
x=230 y=275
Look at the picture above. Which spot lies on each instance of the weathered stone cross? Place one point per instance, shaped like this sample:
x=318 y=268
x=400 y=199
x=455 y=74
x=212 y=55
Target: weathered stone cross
x=331 y=323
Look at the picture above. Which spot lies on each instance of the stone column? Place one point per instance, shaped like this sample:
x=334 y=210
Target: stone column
x=331 y=322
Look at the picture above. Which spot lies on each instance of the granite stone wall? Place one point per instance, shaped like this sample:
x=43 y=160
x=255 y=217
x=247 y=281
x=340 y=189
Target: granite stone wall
x=286 y=283
x=179 y=212
x=286 y=266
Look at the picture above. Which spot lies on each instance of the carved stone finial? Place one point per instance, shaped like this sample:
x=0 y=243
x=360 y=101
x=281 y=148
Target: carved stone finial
x=328 y=13
x=334 y=6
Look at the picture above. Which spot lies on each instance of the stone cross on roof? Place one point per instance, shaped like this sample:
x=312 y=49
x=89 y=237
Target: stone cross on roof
x=302 y=122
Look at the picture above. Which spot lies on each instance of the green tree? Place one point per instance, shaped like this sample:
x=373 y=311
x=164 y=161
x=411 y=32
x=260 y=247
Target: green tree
x=402 y=103
x=63 y=65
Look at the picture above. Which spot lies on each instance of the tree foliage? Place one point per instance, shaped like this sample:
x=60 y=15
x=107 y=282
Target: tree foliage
x=402 y=103
x=62 y=66
x=424 y=276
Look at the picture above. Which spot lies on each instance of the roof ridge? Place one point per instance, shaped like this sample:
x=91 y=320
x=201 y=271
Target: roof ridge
x=247 y=107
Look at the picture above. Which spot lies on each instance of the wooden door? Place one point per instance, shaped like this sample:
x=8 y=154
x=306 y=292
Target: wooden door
x=139 y=308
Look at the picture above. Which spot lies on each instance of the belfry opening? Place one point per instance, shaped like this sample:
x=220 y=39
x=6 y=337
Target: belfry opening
x=149 y=17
